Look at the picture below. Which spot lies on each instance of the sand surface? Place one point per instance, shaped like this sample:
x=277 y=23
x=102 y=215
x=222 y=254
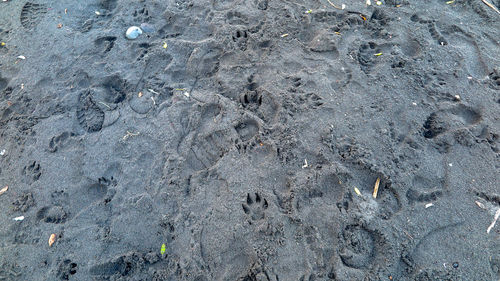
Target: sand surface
x=248 y=137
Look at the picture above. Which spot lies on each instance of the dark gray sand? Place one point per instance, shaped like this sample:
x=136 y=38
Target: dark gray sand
x=247 y=136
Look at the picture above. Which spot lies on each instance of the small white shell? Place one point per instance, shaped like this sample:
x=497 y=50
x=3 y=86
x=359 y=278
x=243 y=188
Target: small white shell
x=133 y=32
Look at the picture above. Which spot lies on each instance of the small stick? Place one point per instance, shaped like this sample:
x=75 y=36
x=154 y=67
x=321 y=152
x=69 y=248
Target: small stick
x=129 y=134
x=105 y=105
x=408 y=234
x=337 y=7
x=3 y=190
x=375 y=189
x=497 y=214
x=52 y=239
x=480 y=205
x=357 y=191
x=491 y=6
x=153 y=91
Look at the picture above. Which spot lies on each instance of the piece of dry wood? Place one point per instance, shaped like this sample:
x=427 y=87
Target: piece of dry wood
x=491 y=6
x=357 y=191
x=497 y=214
x=480 y=205
x=375 y=189
x=52 y=239
x=3 y=190
x=335 y=6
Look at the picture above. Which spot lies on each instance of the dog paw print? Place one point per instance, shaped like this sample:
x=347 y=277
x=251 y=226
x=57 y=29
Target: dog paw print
x=66 y=269
x=103 y=181
x=52 y=214
x=295 y=83
x=32 y=172
x=240 y=38
x=495 y=78
x=59 y=141
x=255 y=207
x=142 y=14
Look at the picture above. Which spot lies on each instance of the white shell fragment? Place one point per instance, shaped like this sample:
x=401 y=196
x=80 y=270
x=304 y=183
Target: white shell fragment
x=133 y=32
x=19 y=218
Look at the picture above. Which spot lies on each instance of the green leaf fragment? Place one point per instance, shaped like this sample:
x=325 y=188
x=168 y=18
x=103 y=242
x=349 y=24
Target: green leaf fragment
x=163 y=249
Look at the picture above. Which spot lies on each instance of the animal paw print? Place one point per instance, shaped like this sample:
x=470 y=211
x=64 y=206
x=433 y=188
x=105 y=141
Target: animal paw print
x=451 y=119
x=66 y=269
x=247 y=129
x=105 y=43
x=23 y=202
x=115 y=90
x=495 y=78
x=59 y=141
x=312 y=100
x=52 y=214
x=295 y=82
x=142 y=14
x=255 y=207
x=240 y=38
x=260 y=102
x=367 y=56
x=357 y=248
x=143 y=51
x=32 y=172
x=103 y=181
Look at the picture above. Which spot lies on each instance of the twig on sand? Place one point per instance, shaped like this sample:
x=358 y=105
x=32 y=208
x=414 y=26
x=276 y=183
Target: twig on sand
x=480 y=205
x=497 y=214
x=130 y=134
x=375 y=189
x=105 y=104
x=153 y=91
x=52 y=239
x=3 y=190
x=357 y=191
x=337 y=7
x=408 y=234
x=491 y=6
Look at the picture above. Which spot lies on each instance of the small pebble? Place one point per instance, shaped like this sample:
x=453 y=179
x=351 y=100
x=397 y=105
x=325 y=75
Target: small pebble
x=455 y=265
x=133 y=32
